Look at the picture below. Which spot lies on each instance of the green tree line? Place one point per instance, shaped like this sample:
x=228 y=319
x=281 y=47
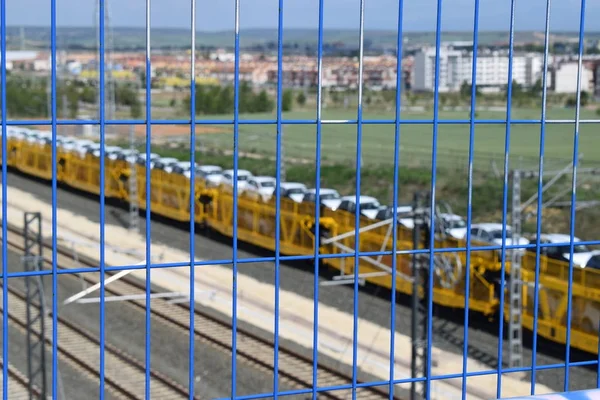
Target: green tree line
x=213 y=99
x=28 y=97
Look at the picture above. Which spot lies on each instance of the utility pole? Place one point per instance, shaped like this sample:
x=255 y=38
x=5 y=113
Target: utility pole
x=35 y=303
x=134 y=215
x=109 y=85
x=515 y=324
x=49 y=91
x=22 y=34
x=419 y=314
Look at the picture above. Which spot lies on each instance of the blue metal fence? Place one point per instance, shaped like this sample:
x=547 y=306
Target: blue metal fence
x=398 y=122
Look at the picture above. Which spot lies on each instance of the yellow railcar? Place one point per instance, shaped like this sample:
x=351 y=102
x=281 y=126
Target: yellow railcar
x=449 y=271
x=553 y=302
x=36 y=160
x=83 y=173
x=13 y=147
x=256 y=223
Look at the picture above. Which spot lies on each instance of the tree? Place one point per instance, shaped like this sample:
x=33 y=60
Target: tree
x=442 y=99
x=301 y=99
x=517 y=89
x=212 y=101
x=200 y=100
x=536 y=89
x=73 y=103
x=136 y=109
x=335 y=97
x=388 y=95
x=224 y=103
x=246 y=97
x=27 y=97
x=125 y=95
x=88 y=95
x=412 y=99
x=263 y=103
x=465 y=90
x=287 y=100
x=583 y=100
x=454 y=101
x=142 y=76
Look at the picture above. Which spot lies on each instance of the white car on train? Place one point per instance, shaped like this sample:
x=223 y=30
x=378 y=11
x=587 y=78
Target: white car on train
x=369 y=206
x=243 y=176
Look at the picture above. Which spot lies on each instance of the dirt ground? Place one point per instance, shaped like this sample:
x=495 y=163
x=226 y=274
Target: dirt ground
x=158 y=131
x=168 y=130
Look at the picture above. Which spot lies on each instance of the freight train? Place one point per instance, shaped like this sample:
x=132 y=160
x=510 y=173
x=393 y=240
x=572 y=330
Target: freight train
x=78 y=166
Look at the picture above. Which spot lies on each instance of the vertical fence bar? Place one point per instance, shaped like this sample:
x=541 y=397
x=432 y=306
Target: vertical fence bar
x=236 y=136
x=278 y=221
x=102 y=199
x=509 y=88
x=4 y=207
x=436 y=111
x=317 y=203
x=148 y=201
x=357 y=210
x=472 y=117
x=598 y=360
x=192 y=202
x=399 y=80
x=54 y=95
x=539 y=201
x=574 y=193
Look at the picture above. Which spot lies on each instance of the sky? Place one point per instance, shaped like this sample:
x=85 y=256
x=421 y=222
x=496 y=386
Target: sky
x=212 y=15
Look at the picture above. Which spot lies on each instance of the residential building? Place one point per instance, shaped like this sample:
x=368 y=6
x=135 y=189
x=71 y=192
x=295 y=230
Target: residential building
x=595 y=67
x=564 y=77
x=456 y=67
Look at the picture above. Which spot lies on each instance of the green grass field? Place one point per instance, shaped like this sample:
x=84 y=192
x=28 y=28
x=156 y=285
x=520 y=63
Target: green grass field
x=339 y=141
x=339 y=152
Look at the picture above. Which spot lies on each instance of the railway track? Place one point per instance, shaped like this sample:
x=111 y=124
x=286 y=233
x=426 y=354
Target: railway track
x=18 y=388
x=295 y=370
x=82 y=348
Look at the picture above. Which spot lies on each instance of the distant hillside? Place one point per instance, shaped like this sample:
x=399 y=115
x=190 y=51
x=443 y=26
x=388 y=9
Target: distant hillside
x=164 y=38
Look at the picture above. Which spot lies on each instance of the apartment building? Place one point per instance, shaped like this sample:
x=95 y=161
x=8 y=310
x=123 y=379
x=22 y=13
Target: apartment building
x=456 y=68
x=564 y=77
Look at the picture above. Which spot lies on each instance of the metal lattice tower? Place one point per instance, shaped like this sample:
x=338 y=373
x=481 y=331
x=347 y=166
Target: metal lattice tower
x=419 y=314
x=515 y=297
x=133 y=189
x=36 y=308
x=109 y=84
x=515 y=325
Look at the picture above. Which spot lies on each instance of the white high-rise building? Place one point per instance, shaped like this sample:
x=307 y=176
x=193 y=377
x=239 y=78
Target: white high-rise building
x=565 y=74
x=455 y=68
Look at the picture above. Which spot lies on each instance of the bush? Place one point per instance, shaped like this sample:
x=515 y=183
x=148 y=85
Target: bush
x=287 y=100
x=301 y=99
